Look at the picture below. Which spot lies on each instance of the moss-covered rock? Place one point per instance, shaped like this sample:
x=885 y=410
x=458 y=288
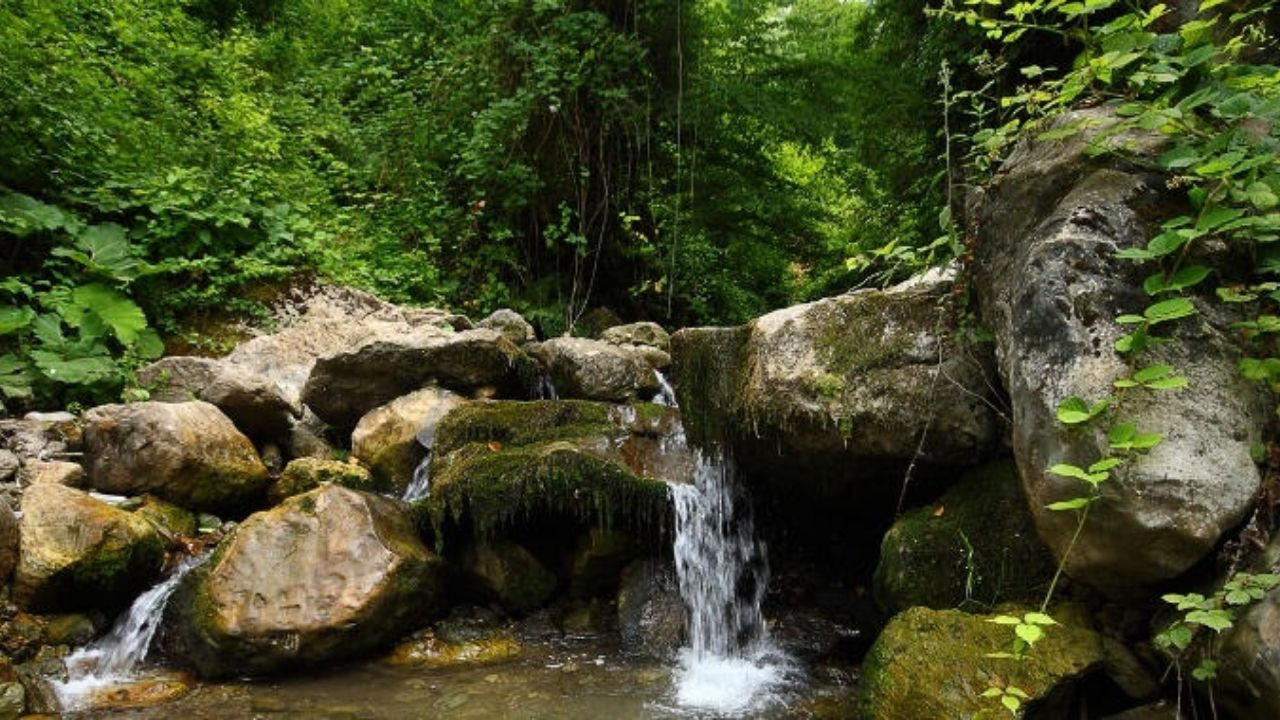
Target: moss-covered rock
x=509 y=573
x=933 y=664
x=306 y=474
x=429 y=649
x=324 y=575
x=171 y=521
x=975 y=547
x=499 y=464
x=80 y=553
x=387 y=437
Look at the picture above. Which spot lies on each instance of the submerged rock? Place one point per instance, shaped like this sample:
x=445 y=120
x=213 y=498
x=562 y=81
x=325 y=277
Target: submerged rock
x=325 y=575
x=305 y=474
x=651 y=613
x=345 y=385
x=387 y=438
x=511 y=574
x=933 y=664
x=430 y=649
x=596 y=370
x=187 y=453
x=977 y=545
x=1049 y=287
x=80 y=553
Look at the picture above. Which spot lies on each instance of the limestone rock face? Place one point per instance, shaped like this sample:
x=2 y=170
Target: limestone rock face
x=860 y=375
x=79 y=553
x=255 y=403
x=328 y=574
x=597 y=370
x=1049 y=288
x=387 y=438
x=346 y=384
x=187 y=453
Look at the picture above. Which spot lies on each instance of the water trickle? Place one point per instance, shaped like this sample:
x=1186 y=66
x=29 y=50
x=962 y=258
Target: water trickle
x=666 y=394
x=116 y=657
x=420 y=486
x=544 y=389
x=729 y=664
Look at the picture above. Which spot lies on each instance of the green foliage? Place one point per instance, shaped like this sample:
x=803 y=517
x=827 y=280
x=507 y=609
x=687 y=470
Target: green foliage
x=1217 y=612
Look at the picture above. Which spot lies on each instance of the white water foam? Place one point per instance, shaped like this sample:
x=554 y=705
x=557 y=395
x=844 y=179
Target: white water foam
x=730 y=665
x=666 y=394
x=420 y=486
x=116 y=657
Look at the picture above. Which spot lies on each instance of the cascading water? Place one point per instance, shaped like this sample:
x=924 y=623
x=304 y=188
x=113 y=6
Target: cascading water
x=116 y=657
x=420 y=486
x=729 y=664
x=666 y=394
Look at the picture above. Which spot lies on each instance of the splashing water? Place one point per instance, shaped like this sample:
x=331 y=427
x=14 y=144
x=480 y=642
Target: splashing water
x=116 y=657
x=420 y=486
x=666 y=394
x=730 y=664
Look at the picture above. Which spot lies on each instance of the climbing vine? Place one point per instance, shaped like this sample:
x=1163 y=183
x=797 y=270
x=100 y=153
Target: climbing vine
x=1207 y=86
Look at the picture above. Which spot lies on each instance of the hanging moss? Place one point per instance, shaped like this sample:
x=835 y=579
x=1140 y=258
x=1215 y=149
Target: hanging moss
x=486 y=490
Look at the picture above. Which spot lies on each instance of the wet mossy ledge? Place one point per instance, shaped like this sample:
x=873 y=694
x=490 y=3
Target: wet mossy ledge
x=500 y=464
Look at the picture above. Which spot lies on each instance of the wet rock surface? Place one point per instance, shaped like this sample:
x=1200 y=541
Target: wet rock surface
x=597 y=370
x=651 y=614
x=325 y=575
x=387 y=438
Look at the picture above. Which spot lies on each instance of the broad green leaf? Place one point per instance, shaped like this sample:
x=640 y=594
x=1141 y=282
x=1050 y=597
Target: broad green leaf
x=1216 y=620
x=15 y=318
x=1122 y=433
x=1180 y=157
x=1105 y=464
x=1004 y=620
x=1072 y=504
x=1175 y=382
x=1153 y=372
x=1146 y=441
x=75 y=371
x=119 y=312
x=149 y=346
x=1036 y=618
x=1030 y=634
x=1171 y=309
x=1011 y=703
x=1073 y=411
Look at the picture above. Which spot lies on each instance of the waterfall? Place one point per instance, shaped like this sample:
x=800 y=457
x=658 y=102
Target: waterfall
x=420 y=486
x=666 y=394
x=115 y=657
x=729 y=663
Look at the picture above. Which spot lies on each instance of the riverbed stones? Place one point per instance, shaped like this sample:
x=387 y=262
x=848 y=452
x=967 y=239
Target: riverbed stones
x=1049 y=287
x=345 y=385
x=596 y=370
x=52 y=471
x=305 y=474
x=325 y=575
x=187 y=453
x=80 y=553
x=934 y=664
x=255 y=403
x=389 y=438
x=976 y=546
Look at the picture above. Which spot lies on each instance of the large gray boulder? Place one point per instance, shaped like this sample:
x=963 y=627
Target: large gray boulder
x=187 y=453
x=325 y=575
x=597 y=370
x=869 y=374
x=255 y=403
x=1050 y=288
x=345 y=385
x=511 y=324
x=389 y=438
x=79 y=553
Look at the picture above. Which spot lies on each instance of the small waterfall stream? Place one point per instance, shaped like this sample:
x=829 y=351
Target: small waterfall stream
x=116 y=657
x=729 y=664
x=420 y=486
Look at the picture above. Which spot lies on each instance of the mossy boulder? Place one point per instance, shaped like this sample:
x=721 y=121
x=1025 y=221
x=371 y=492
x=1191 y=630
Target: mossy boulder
x=431 y=649
x=187 y=453
x=324 y=575
x=79 y=553
x=509 y=573
x=306 y=474
x=651 y=613
x=934 y=664
x=975 y=547
x=389 y=439
x=859 y=375
x=499 y=464
x=171 y=521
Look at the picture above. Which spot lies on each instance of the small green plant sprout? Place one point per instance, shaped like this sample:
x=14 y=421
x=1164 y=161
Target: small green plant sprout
x=1076 y=411
x=1154 y=377
x=1027 y=630
x=1140 y=338
x=1218 y=613
x=1011 y=697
